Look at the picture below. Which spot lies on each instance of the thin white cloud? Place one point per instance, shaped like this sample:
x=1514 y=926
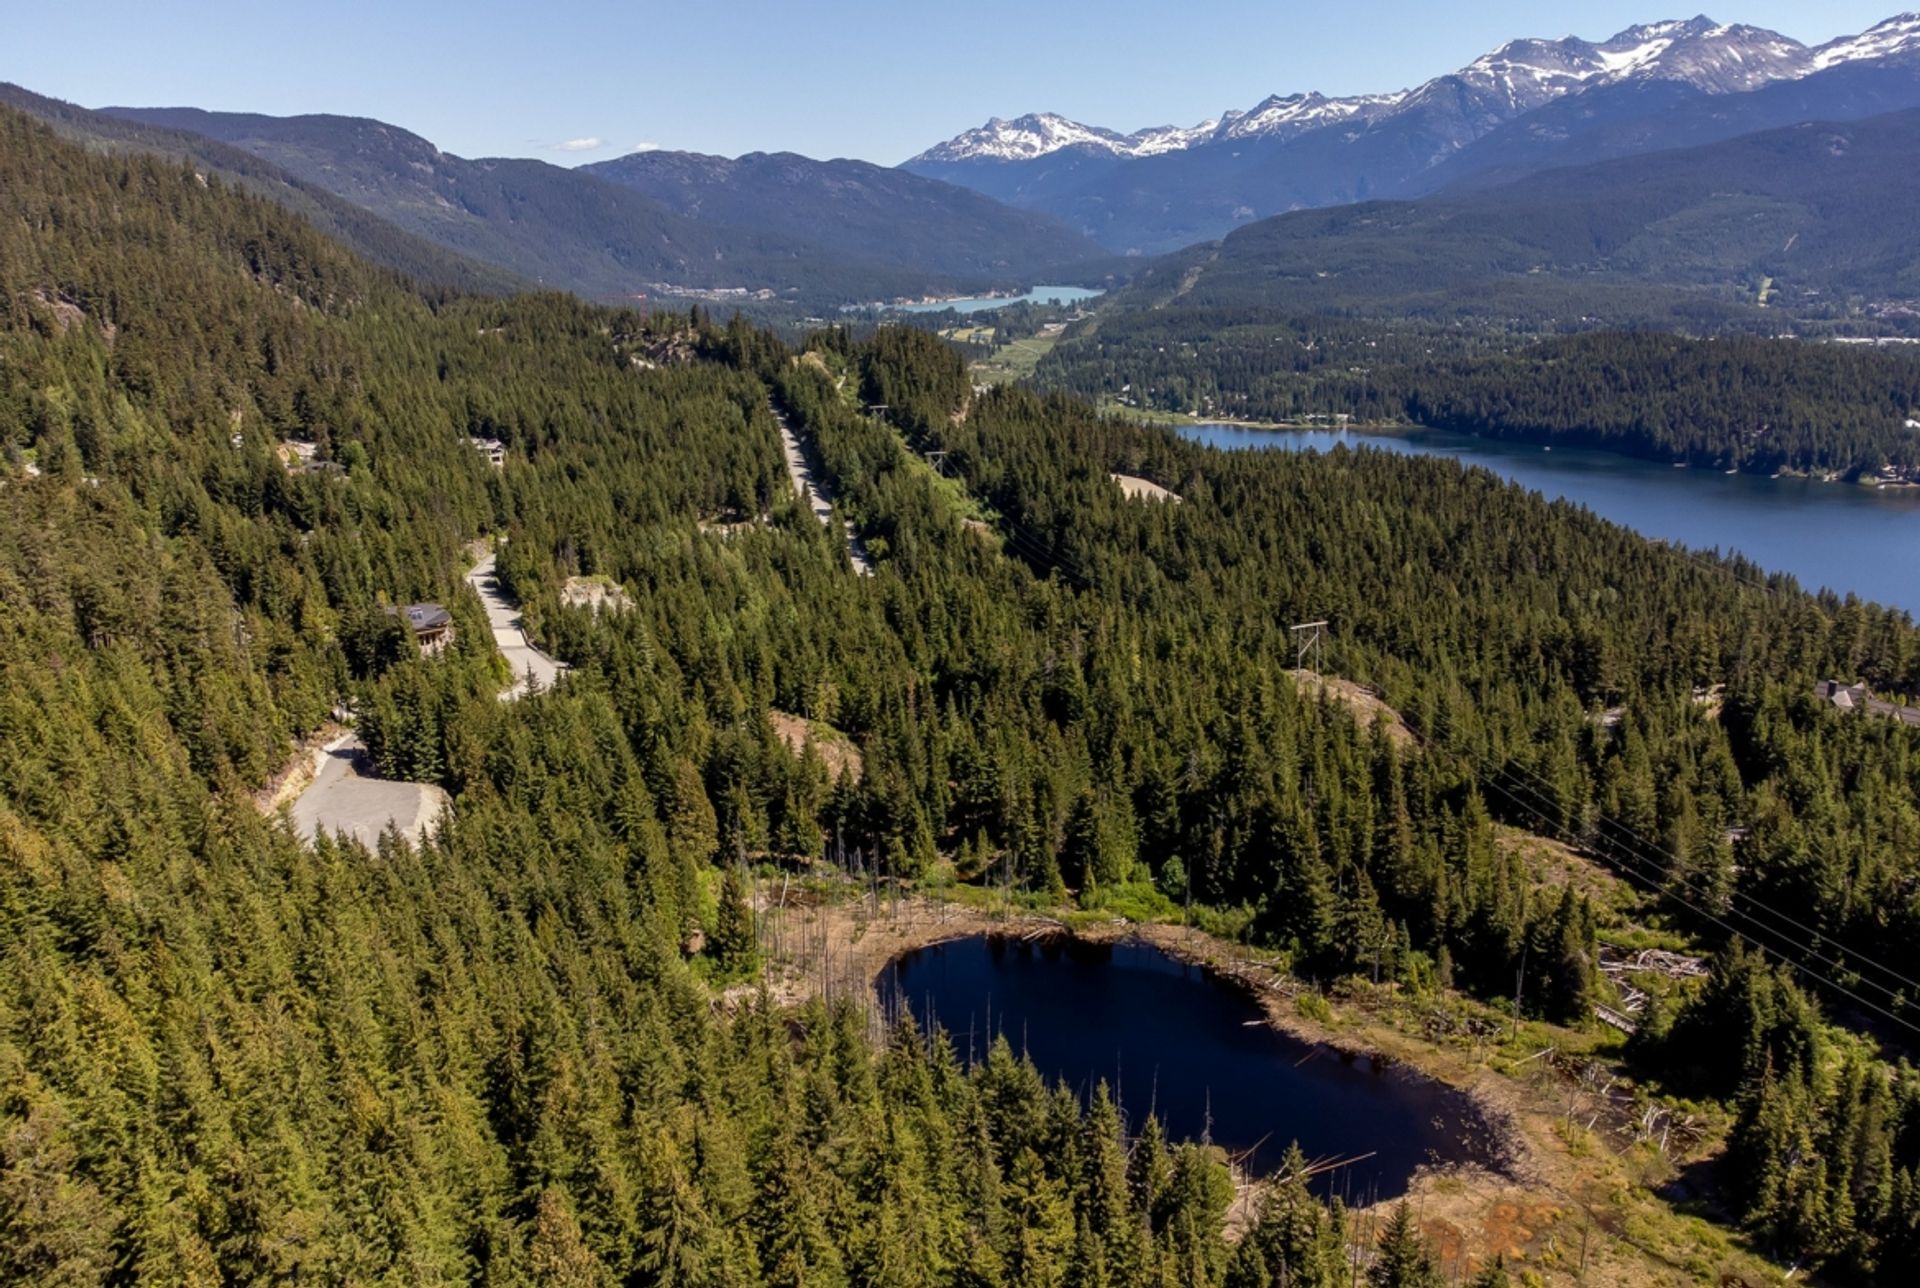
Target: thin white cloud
x=588 y=144
x=645 y=145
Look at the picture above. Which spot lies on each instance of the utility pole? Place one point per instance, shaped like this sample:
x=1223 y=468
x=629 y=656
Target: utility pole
x=1307 y=638
x=1519 y=988
x=1189 y=913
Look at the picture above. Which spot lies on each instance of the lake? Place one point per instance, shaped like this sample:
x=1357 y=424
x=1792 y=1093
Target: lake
x=1192 y=1047
x=987 y=303
x=1850 y=538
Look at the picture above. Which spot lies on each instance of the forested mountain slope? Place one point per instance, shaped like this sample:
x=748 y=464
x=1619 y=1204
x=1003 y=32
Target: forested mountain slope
x=1730 y=402
x=1578 y=305
x=229 y=1055
x=368 y=235
x=858 y=209
x=561 y=229
x=606 y=238
x=1813 y=219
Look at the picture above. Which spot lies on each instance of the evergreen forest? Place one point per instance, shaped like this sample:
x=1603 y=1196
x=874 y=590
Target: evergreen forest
x=1726 y=402
x=229 y=1054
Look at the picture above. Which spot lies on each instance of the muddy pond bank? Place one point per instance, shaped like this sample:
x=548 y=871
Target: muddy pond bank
x=1169 y=1036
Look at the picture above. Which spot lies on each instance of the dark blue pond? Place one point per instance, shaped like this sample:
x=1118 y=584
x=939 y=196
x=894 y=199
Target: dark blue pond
x=1170 y=1038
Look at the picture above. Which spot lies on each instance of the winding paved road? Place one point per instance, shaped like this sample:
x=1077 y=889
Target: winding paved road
x=812 y=489
x=509 y=636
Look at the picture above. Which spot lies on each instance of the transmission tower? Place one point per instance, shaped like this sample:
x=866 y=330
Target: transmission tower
x=1308 y=637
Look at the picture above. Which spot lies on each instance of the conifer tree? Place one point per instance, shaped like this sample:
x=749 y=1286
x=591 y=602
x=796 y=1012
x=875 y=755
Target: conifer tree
x=735 y=946
x=1403 y=1259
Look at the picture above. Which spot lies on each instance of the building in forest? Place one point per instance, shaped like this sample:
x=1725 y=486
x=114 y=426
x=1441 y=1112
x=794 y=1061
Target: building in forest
x=431 y=624
x=1850 y=697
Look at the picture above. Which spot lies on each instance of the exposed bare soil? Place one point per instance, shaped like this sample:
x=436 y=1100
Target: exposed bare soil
x=1362 y=701
x=1139 y=489
x=834 y=748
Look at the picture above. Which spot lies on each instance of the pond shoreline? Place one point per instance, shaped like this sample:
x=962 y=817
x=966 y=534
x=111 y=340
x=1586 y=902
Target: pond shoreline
x=1565 y=1179
x=857 y=951
x=1275 y=994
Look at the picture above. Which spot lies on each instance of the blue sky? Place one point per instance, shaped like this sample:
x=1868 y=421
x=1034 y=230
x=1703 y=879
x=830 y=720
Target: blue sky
x=859 y=78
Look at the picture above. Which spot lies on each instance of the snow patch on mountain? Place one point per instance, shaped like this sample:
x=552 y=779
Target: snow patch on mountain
x=1293 y=114
x=1897 y=37
x=1511 y=80
x=1025 y=137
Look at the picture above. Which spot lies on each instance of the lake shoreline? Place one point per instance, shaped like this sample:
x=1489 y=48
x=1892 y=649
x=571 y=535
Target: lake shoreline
x=1411 y=431
x=1861 y=539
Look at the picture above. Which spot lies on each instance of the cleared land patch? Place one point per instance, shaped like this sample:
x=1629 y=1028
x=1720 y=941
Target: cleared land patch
x=345 y=797
x=1358 y=698
x=1139 y=489
x=834 y=748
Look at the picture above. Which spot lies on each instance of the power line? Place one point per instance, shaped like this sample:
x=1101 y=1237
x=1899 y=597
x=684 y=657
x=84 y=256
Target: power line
x=1659 y=858
x=1764 y=949
x=1636 y=849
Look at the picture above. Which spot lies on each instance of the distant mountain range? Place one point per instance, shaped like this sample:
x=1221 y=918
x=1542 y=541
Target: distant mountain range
x=857 y=210
x=1810 y=221
x=371 y=236
x=1540 y=102
x=1015 y=202
x=609 y=235
x=780 y=229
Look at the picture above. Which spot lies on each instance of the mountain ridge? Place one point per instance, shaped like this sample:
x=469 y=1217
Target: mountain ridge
x=849 y=206
x=1697 y=51
x=377 y=239
x=580 y=230
x=1799 y=222
x=1159 y=189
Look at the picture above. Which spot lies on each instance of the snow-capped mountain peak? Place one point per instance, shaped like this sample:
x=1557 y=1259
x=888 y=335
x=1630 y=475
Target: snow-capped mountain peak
x=1025 y=137
x=1897 y=37
x=1707 y=55
x=1278 y=116
x=1513 y=79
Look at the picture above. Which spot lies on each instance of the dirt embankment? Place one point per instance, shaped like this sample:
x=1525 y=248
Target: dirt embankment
x=1358 y=698
x=298 y=773
x=1136 y=488
x=834 y=748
